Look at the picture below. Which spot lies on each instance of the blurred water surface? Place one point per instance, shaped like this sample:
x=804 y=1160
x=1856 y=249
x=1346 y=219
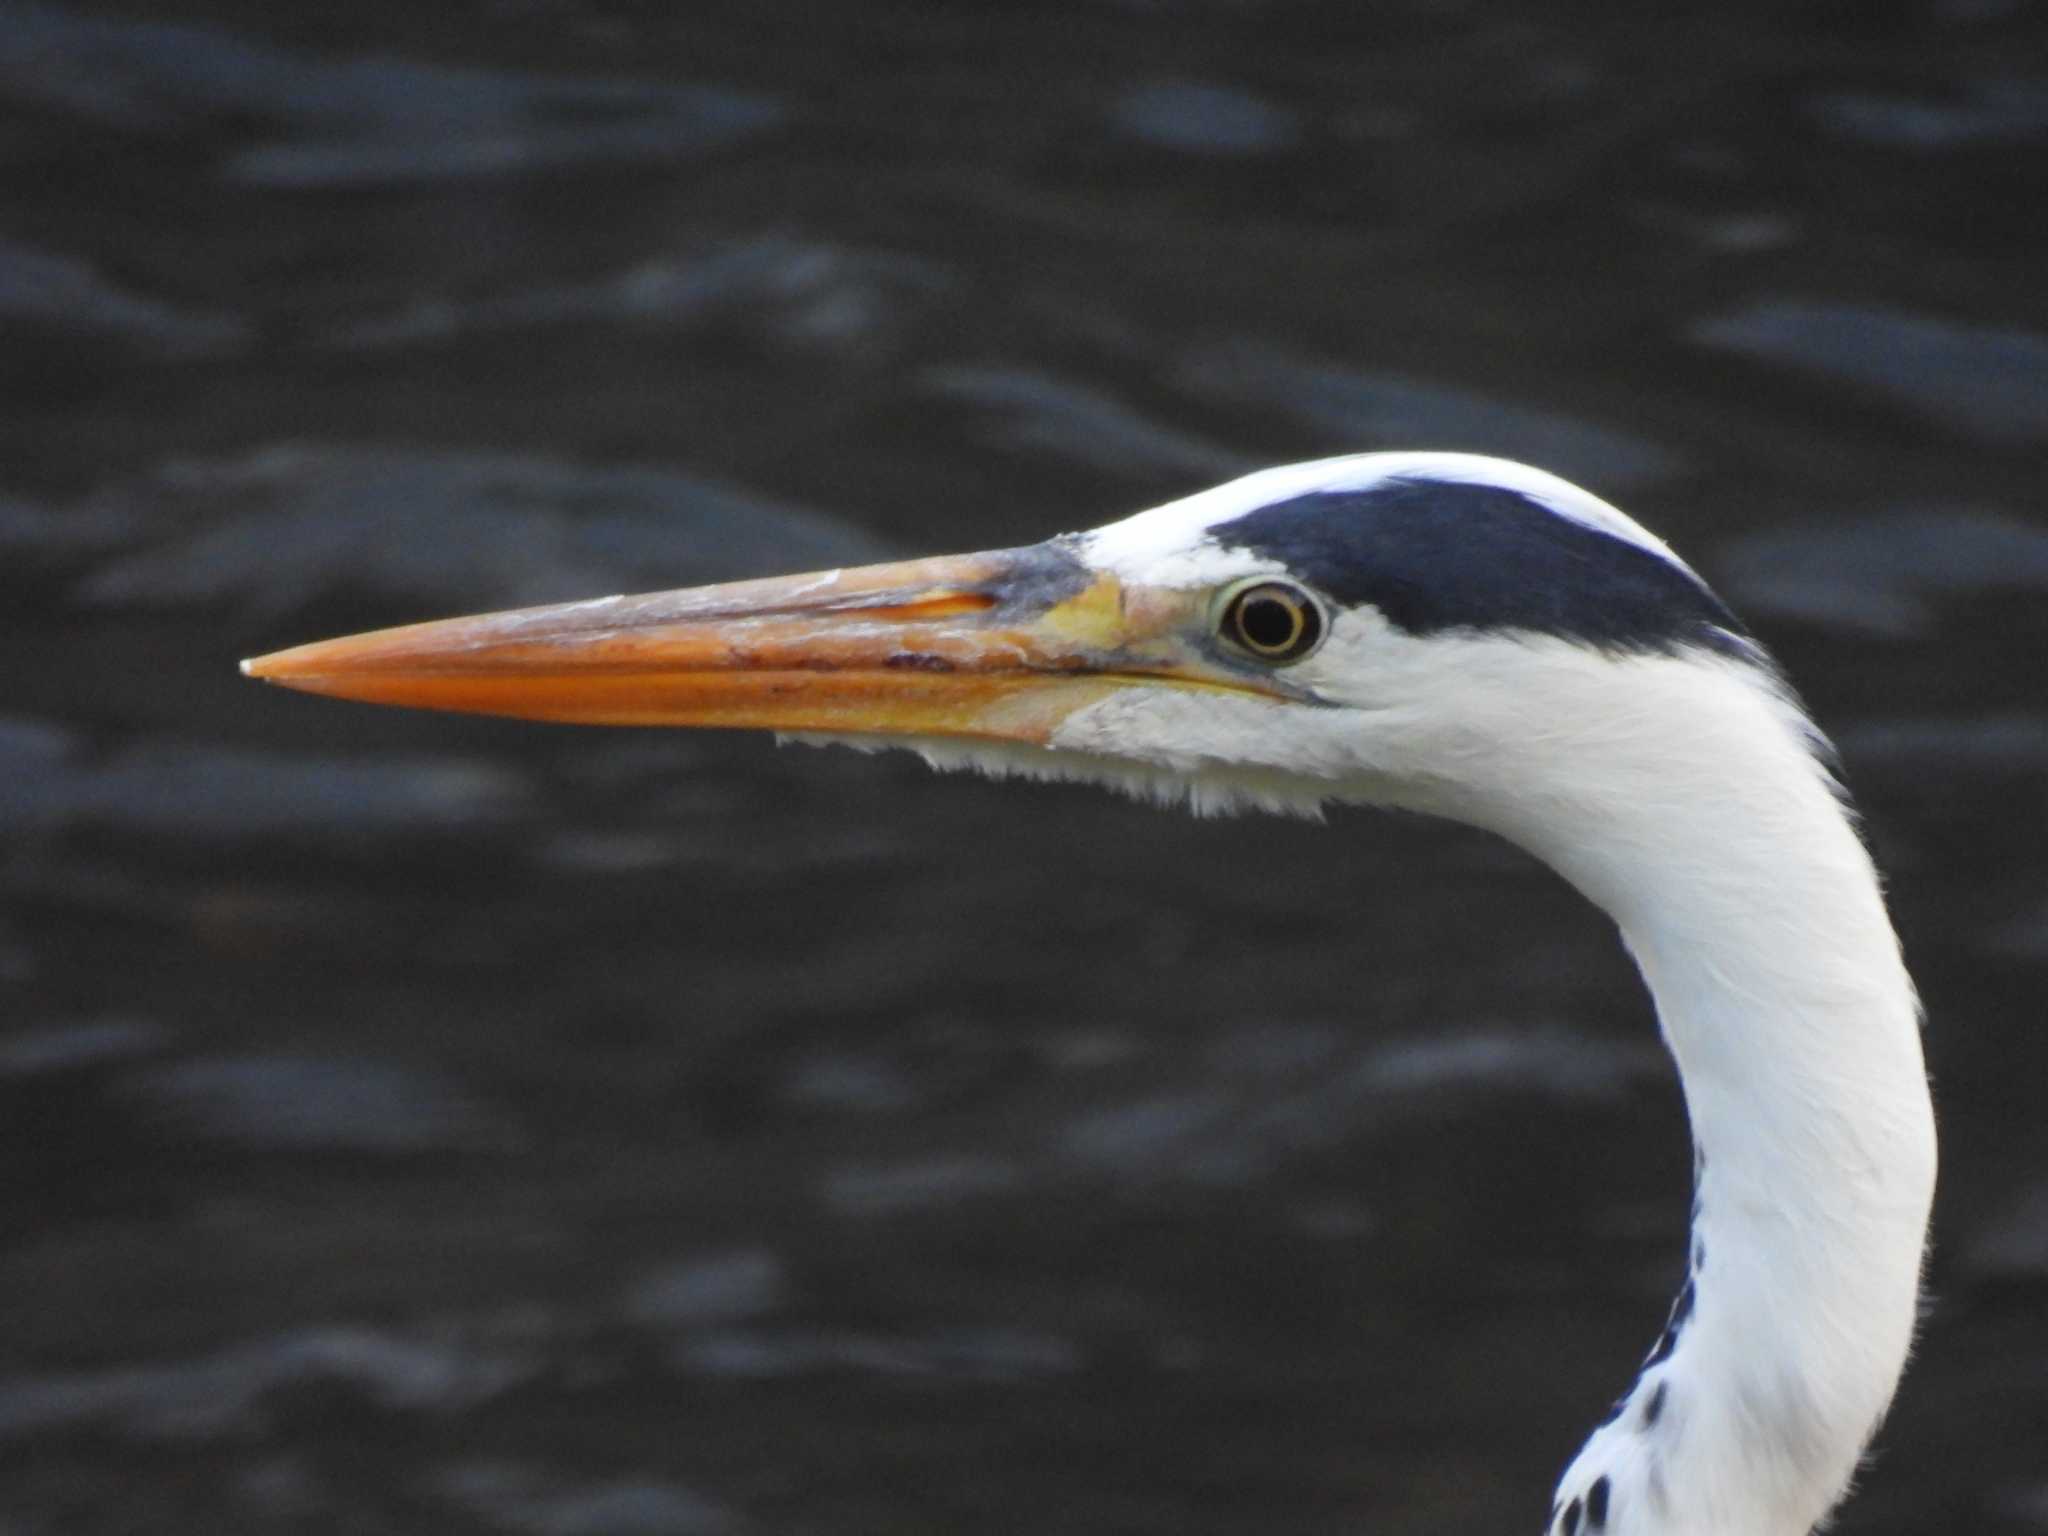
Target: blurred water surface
x=414 y=1124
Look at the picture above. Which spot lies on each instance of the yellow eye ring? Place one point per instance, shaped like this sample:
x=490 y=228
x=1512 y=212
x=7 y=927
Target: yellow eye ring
x=1273 y=621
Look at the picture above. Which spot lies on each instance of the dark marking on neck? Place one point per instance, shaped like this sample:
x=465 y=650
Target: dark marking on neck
x=1438 y=555
x=1653 y=1410
x=1596 y=1503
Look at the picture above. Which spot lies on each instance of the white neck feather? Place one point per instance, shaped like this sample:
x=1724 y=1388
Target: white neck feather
x=1715 y=839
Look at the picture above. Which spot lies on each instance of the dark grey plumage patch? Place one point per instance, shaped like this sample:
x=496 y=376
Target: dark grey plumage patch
x=1437 y=555
x=1037 y=576
x=1596 y=1504
x=1653 y=1410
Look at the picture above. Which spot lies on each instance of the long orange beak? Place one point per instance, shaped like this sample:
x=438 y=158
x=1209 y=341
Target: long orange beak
x=1002 y=645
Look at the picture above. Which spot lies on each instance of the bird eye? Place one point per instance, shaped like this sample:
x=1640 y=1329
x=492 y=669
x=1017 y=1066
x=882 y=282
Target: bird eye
x=1272 y=620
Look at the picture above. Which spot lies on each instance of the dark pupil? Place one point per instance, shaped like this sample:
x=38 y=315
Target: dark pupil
x=1268 y=623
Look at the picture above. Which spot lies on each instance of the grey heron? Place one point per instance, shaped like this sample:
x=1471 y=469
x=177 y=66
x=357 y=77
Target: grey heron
x=1448 y=634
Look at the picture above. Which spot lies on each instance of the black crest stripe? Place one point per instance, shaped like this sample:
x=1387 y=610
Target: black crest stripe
x=1437 y=555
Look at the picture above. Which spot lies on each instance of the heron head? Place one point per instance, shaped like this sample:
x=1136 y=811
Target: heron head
x=1386 y=627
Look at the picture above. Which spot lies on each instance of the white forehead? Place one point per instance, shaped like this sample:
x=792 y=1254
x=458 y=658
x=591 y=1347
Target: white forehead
x=1171 y=545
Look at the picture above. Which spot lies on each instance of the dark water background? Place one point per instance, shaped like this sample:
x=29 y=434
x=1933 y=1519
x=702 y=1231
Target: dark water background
x=413 y=1124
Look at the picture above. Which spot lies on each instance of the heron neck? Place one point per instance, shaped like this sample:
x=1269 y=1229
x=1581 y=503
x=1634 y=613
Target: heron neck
x=1754 y=913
